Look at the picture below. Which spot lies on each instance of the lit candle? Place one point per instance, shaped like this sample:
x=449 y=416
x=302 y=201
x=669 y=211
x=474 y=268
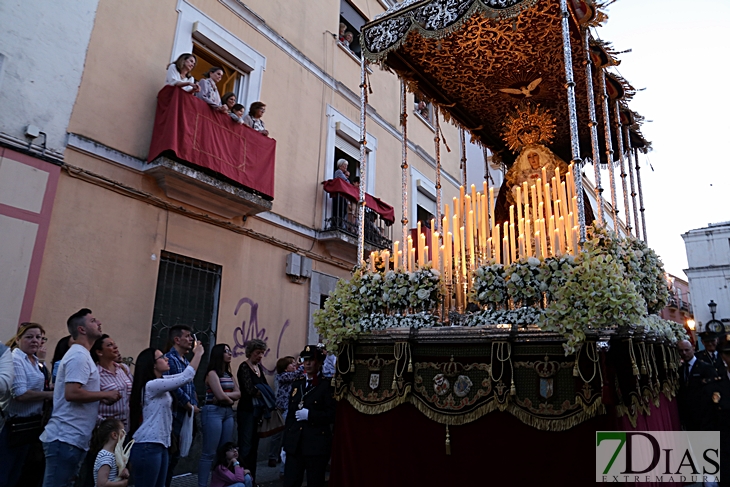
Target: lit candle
x=491 y=205
x=528 y=237
x=505 y=233
x=521 y=243
x=533 y=193
x=512 y=244
x=418 y=243
x=386 y=261
x=561 y=232
x=399 y=260
x=548 y=202
x=473 y=194
x=556 y=243
x=505 y=251
x=497 y=250
x=555 y=191
x=470 y=240
x=538 y=250
x=575 y=240
x=564 y=202
x=423 y=258
x=556 y=209
x=461 y=206
x=457 y=249
x=485 y=221
x=518 y=202
x=412 y=260
x=425 y=253
x=488 y=252
x=544 y=174
x=543 y=239
x=435 y=252
x=440 y=262
x=539 y=190
x=396 y=255
x=521 y=227
x=410 y=249
x=449 y=261
x=511 y=215
x=575 y=205
x=551 y=228
x=372 y=262
x=463 y=251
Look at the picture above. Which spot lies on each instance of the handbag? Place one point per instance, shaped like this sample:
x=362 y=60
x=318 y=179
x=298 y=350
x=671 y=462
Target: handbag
x=24 y=431
x=272 y=425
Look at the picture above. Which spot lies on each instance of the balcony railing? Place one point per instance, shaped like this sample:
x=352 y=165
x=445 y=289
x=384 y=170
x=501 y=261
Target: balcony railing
x=342 y=215
x=196 y=149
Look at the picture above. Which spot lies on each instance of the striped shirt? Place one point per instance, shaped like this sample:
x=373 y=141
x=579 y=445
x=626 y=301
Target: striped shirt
x=28 y=377
x=105 y=458
x=120 y=380
x=226 y=384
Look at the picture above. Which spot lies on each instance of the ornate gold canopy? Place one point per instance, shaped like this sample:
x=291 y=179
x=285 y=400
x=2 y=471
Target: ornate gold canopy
x=480 y=59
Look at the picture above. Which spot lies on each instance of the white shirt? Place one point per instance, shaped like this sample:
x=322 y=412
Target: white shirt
x=28 y=377
x=73 y=422
x=173 y=77
x=7 y=373
x=156 y=424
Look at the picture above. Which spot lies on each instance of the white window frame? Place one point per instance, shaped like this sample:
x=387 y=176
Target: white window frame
x=426 y=187
x=338 y=124
x=192 y=24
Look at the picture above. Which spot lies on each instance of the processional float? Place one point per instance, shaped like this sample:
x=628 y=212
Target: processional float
x=535 y=306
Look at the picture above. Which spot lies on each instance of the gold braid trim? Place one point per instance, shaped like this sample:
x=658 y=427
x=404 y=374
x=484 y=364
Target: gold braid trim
x=372 y=409
x=587 y=412
x=622 y=410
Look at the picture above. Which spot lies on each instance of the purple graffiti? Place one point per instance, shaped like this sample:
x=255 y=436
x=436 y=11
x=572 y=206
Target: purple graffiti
x=249 y=330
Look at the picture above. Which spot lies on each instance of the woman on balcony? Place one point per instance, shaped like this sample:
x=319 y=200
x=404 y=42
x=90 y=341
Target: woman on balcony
x=229 y=99
x=253 y=119
x=209 y=89
x=178 y=73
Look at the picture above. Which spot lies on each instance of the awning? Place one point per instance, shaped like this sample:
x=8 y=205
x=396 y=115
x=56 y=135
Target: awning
x=347 y=190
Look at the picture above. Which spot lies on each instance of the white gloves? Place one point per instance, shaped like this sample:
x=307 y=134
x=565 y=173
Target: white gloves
x=302 y=414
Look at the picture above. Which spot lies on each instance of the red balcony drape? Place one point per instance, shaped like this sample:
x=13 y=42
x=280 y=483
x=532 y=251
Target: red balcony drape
x=338 y=186
x=193 y=133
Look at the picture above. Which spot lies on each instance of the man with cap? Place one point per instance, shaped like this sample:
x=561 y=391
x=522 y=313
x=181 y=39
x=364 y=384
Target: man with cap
x=693 y=374
x=710 y=354
x=308 y=431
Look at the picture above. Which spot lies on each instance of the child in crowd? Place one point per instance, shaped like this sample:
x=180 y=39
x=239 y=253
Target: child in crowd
x=237 y=113
x=228 y=472
x=109 y=433
x=286 y=373
x=348 y=39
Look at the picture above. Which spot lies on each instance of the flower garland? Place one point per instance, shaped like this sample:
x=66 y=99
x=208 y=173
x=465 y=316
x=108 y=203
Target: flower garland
x=524 y=285
x=554 y=273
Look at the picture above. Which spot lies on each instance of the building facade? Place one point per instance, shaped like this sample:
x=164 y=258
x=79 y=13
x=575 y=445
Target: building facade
x=708 y=257
x=149 y=244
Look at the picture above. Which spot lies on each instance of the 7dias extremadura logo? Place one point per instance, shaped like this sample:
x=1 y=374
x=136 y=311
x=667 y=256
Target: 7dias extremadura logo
x=657 y=456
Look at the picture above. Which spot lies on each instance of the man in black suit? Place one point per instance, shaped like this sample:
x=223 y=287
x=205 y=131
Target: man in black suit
x=693 y=375
x=710 y=354
x=308 y=432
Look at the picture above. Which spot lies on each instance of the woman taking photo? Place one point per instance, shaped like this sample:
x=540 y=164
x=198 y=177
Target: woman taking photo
x=151 y=404
x=250 y=374
x=178 y=73
x=217 y=414
x=113 y=376
x=209 y=89
x=253 y=119
x=25 y=404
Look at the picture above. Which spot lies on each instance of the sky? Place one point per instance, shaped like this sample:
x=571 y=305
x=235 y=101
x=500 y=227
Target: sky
x=679 y=56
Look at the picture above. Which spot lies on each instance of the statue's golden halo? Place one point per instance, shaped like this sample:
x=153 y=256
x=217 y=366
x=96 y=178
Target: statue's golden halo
x=528 y=124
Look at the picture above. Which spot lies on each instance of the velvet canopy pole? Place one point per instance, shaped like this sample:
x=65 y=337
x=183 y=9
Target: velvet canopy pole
x=629 y=154
x=593 y=126
x=641 y=195
x=574 y=143
x=437 y=143
x=609 y=145
x=619 y=139
x=363 y=161
x=404 y=163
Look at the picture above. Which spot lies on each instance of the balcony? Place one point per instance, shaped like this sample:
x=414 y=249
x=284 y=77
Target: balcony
x=203 y=158
x=340 y=231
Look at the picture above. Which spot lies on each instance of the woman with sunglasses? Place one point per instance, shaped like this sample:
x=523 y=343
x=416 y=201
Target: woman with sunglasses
x=217 y=413
x=151 y=413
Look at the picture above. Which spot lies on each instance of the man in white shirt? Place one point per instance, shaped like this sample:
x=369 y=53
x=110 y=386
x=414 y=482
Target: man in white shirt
x=75 y=403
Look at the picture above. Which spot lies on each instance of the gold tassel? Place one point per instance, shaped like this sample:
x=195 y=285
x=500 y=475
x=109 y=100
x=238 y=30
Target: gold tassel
x=333 y=382
x=634 y=368
x=394 y=385
x=448 y=441
x=513 y=389
x=410 y=365
x=575 y=365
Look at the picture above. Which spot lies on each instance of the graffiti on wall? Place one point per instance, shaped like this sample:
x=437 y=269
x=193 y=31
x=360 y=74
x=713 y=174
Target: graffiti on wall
x=247 y=312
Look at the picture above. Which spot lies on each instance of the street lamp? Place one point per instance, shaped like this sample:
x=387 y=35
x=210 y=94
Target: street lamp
x=691 y=325
x=713 y=307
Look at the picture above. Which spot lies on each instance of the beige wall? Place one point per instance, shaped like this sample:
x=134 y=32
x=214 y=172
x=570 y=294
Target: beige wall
x=101 y=240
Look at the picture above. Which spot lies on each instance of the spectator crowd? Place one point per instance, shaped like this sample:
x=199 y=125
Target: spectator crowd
x=90 y=420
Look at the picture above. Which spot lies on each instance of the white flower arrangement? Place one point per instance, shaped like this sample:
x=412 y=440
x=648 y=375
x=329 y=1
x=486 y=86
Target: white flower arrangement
x=554 y=273
x=527 y=315
x=524 y=285
x=489 y=287
x=425 y=289
x=664 y=329
x=396 y=287
x=380 y=321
